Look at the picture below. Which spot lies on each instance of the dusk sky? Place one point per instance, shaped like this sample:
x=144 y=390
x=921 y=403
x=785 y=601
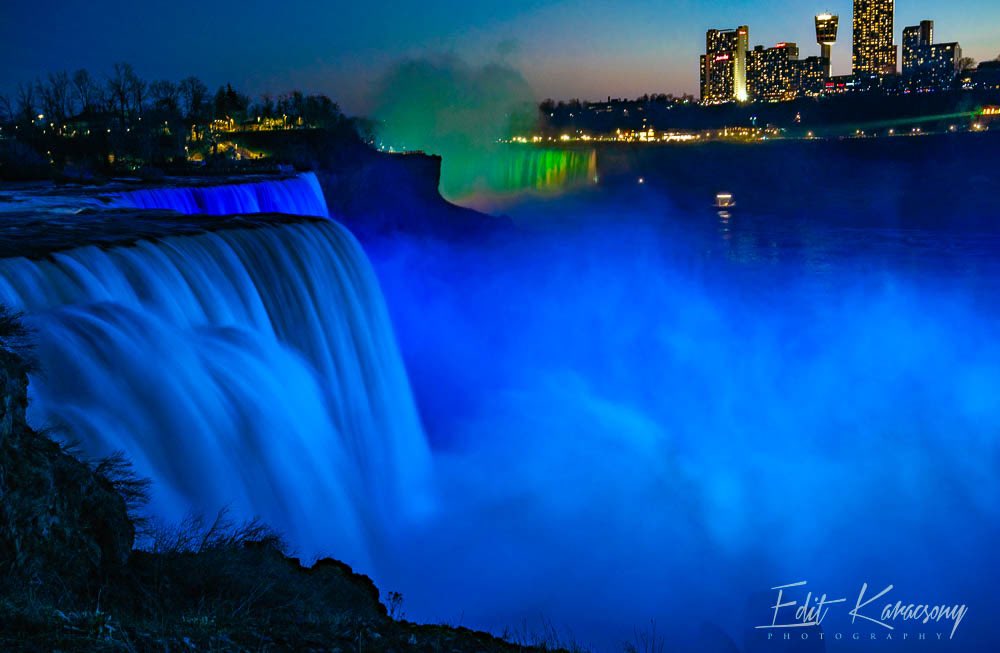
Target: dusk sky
x=585 y=48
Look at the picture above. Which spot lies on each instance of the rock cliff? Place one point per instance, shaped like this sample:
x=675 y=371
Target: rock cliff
x=71 y=581
x=61 y=525
x=386 y=193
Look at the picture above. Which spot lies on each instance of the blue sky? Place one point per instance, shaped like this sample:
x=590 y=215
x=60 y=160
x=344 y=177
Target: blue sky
x=586 y=48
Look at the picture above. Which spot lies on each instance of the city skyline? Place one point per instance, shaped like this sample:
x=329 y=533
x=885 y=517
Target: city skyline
x=634 y=48
x=732 y=71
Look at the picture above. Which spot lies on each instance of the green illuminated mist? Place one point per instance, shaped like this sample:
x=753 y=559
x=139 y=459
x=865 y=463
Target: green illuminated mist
x=463 y=113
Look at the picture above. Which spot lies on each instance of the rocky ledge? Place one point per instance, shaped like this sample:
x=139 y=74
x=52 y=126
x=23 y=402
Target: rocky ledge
x=398 y=193
x=70 y=579
x=38 y=235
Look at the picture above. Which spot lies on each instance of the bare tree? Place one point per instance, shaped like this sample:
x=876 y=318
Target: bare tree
x=126 y=91
x=54 y=96
x=6 y=109
x=85 y=91
x=966 y=64
x=194 y=95
x=137 y=91
x=62 y=92
x=118 y=89
x=166 y=96
x=46 y=103
x=26 y=102
x=265 y=107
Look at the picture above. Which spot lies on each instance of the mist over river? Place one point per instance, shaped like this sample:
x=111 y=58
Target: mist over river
x=642 y=407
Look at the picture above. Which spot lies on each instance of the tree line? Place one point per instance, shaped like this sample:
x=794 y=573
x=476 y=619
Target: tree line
x=123 y=96
x=81 y=125
x=549 y=105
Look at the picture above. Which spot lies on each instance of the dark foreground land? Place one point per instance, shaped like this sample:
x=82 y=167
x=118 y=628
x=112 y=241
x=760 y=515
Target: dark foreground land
x=71 y=580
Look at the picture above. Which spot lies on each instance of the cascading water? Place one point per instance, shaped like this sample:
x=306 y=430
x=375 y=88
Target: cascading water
x=295 y=195
x=299 y=195
x=518 y=169
x=545 y=170
x=254 y=368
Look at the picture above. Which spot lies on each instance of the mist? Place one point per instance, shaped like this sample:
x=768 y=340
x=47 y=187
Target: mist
x=468 y=114
x=456 y=110
x=626 y=428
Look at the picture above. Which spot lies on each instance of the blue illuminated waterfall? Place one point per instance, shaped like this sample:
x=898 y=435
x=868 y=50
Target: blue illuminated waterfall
x=299 y=195
x=254 y=368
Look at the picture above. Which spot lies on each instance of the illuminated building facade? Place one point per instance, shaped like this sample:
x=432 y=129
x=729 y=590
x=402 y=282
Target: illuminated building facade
x=826 y=35
x=928 y=66
x=987 y=115
x=773 y=73
x=874 y=53
x=840 y=84
x=935 y=67
x=914 y=38
x=813 y=74
x=724 y=66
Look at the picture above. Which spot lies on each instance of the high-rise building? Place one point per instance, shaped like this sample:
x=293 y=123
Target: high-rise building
x=826 y=36
x=911 y=43
x=935 y=67
x=724 y=66
x=813 y=75
x=928 y=66
x=773 y=73
x=926 y=32
x=874 y=53
x=914 y=38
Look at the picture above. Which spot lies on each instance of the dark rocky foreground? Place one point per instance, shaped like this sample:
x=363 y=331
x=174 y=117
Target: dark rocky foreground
x=71 y=581
x=384 y=194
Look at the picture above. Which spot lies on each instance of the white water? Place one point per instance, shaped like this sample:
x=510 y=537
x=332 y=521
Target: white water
x=300 y=195
x=250 y=368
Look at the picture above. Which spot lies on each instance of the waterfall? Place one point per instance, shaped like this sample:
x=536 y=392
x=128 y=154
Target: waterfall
x=299 y=195
x=534 y=169
x=255 y=368
x=514 y=170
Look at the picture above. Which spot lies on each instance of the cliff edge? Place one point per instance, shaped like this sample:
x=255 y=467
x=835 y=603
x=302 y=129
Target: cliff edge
x=62 y=527
x=70 y=579
x=387 y=193
x=375 y=193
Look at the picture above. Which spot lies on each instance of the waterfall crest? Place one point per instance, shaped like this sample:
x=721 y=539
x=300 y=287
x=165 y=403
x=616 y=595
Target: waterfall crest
x=253 y=368
x=299 y=195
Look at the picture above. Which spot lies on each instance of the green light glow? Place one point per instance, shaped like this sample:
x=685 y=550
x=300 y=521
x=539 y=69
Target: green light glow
x=917 y=120
x=512 y=169
x=464 y=113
